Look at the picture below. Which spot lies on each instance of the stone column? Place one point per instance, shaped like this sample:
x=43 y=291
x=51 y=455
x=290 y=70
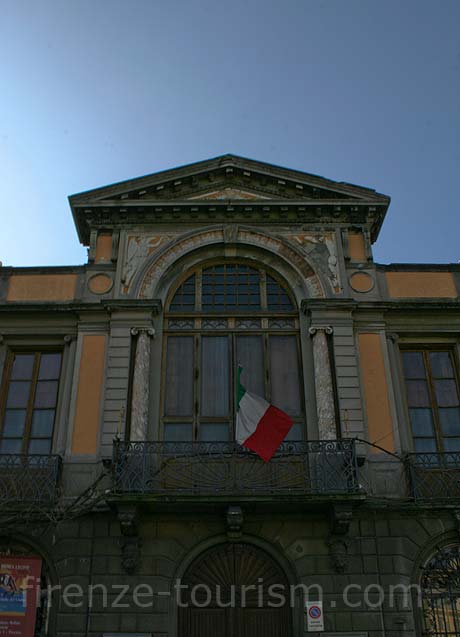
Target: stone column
x=141 y=382
x=323 y=383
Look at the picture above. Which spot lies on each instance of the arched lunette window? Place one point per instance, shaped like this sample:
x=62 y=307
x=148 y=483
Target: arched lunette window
x=221 y=315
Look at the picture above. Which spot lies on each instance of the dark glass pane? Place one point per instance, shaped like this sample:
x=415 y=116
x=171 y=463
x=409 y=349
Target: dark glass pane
x=249 y=354
x=177 y=432
x=40 y=446
x=425 y=445
x=295 y=433
x=413 y=364
x=184 y=298
x=446 y=393
x=214 y=432
x=450 y=421
x=14 y=423
x=441 y=365
x=23 y=367
x=18 y=394
x=179 y=376
x=451 y=444
x=42 y=423
x=10 y=445
x=417 y=393
x=422 y=422
x=50 y=366
x=230 y=287
x=277 y=299
x=46 y=393
x=215 y=376
x=284 y=374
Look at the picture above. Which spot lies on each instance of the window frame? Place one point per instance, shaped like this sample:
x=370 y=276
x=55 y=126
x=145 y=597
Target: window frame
x=37 y=352
x=231 y=331
x=425 y=348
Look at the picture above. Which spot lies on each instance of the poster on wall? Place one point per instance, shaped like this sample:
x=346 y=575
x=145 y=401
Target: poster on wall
x=19 y=590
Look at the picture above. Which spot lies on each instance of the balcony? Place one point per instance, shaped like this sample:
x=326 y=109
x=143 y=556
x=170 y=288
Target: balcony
x=29 y=481
x=213 y=469
x=434 y=476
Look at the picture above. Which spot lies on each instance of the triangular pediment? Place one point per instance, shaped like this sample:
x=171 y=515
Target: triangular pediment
x=228 y=193
x=200 y=191
x=228 y=177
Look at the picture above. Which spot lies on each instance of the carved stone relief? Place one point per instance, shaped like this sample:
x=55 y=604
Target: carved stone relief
x=139 y=248
x=322 y=250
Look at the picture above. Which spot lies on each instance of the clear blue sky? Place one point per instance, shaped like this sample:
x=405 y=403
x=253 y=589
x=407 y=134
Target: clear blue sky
x=365 y=91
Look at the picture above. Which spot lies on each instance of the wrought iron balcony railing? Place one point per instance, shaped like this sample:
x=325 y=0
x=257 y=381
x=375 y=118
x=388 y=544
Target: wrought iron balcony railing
x=434 y=476
x=28 y=480
x=226 y=468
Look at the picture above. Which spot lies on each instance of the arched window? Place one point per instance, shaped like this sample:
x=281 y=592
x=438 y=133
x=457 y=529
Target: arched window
x=218 y=316
x=440 y=589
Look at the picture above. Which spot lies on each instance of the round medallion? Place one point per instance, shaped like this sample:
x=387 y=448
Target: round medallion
x=100 y=284
x=361 y=282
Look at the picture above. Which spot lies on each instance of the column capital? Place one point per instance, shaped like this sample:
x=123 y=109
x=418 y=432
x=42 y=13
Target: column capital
x=327 y=329
x=135 y=331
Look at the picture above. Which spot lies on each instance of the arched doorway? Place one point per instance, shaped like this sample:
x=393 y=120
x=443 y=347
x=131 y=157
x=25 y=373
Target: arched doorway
x=234 y=590
x=440 y=591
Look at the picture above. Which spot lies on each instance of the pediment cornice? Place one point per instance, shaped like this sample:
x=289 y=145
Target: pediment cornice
x=229 y=181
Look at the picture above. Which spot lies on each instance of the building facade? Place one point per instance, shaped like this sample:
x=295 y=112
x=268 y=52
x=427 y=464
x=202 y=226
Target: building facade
x=120 y=478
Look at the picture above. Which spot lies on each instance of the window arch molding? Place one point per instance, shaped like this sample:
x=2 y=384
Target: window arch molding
x=162 y=267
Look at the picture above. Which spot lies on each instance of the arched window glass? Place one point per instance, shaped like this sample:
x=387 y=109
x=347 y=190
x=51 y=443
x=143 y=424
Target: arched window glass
x=221 y=315
x=440 y=588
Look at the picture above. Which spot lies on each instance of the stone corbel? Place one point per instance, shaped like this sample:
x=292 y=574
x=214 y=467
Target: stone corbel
x=341 y=517
x=339 y=539
x=338 y=552
x=234 y=522
x=230 y=233
x=130 y=542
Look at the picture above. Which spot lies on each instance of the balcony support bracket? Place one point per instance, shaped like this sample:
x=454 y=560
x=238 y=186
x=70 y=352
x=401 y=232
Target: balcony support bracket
x=339 y=539
x=130 y=541
x=234 y=522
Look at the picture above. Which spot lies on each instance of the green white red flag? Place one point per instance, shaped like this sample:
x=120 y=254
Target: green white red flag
x=260 y=427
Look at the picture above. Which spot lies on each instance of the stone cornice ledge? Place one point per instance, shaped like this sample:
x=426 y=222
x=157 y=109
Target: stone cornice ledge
x=402 y=305
x=109 y=306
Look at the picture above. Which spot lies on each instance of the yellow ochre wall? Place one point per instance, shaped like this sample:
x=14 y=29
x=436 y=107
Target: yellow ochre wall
x=379 y=421
x=86 y=423
x=103 y=248
x=421 y=285
x=42 y=287
x=356 y=246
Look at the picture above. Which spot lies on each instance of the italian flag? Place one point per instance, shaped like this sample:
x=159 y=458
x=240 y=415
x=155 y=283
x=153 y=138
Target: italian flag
x=260 y=427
